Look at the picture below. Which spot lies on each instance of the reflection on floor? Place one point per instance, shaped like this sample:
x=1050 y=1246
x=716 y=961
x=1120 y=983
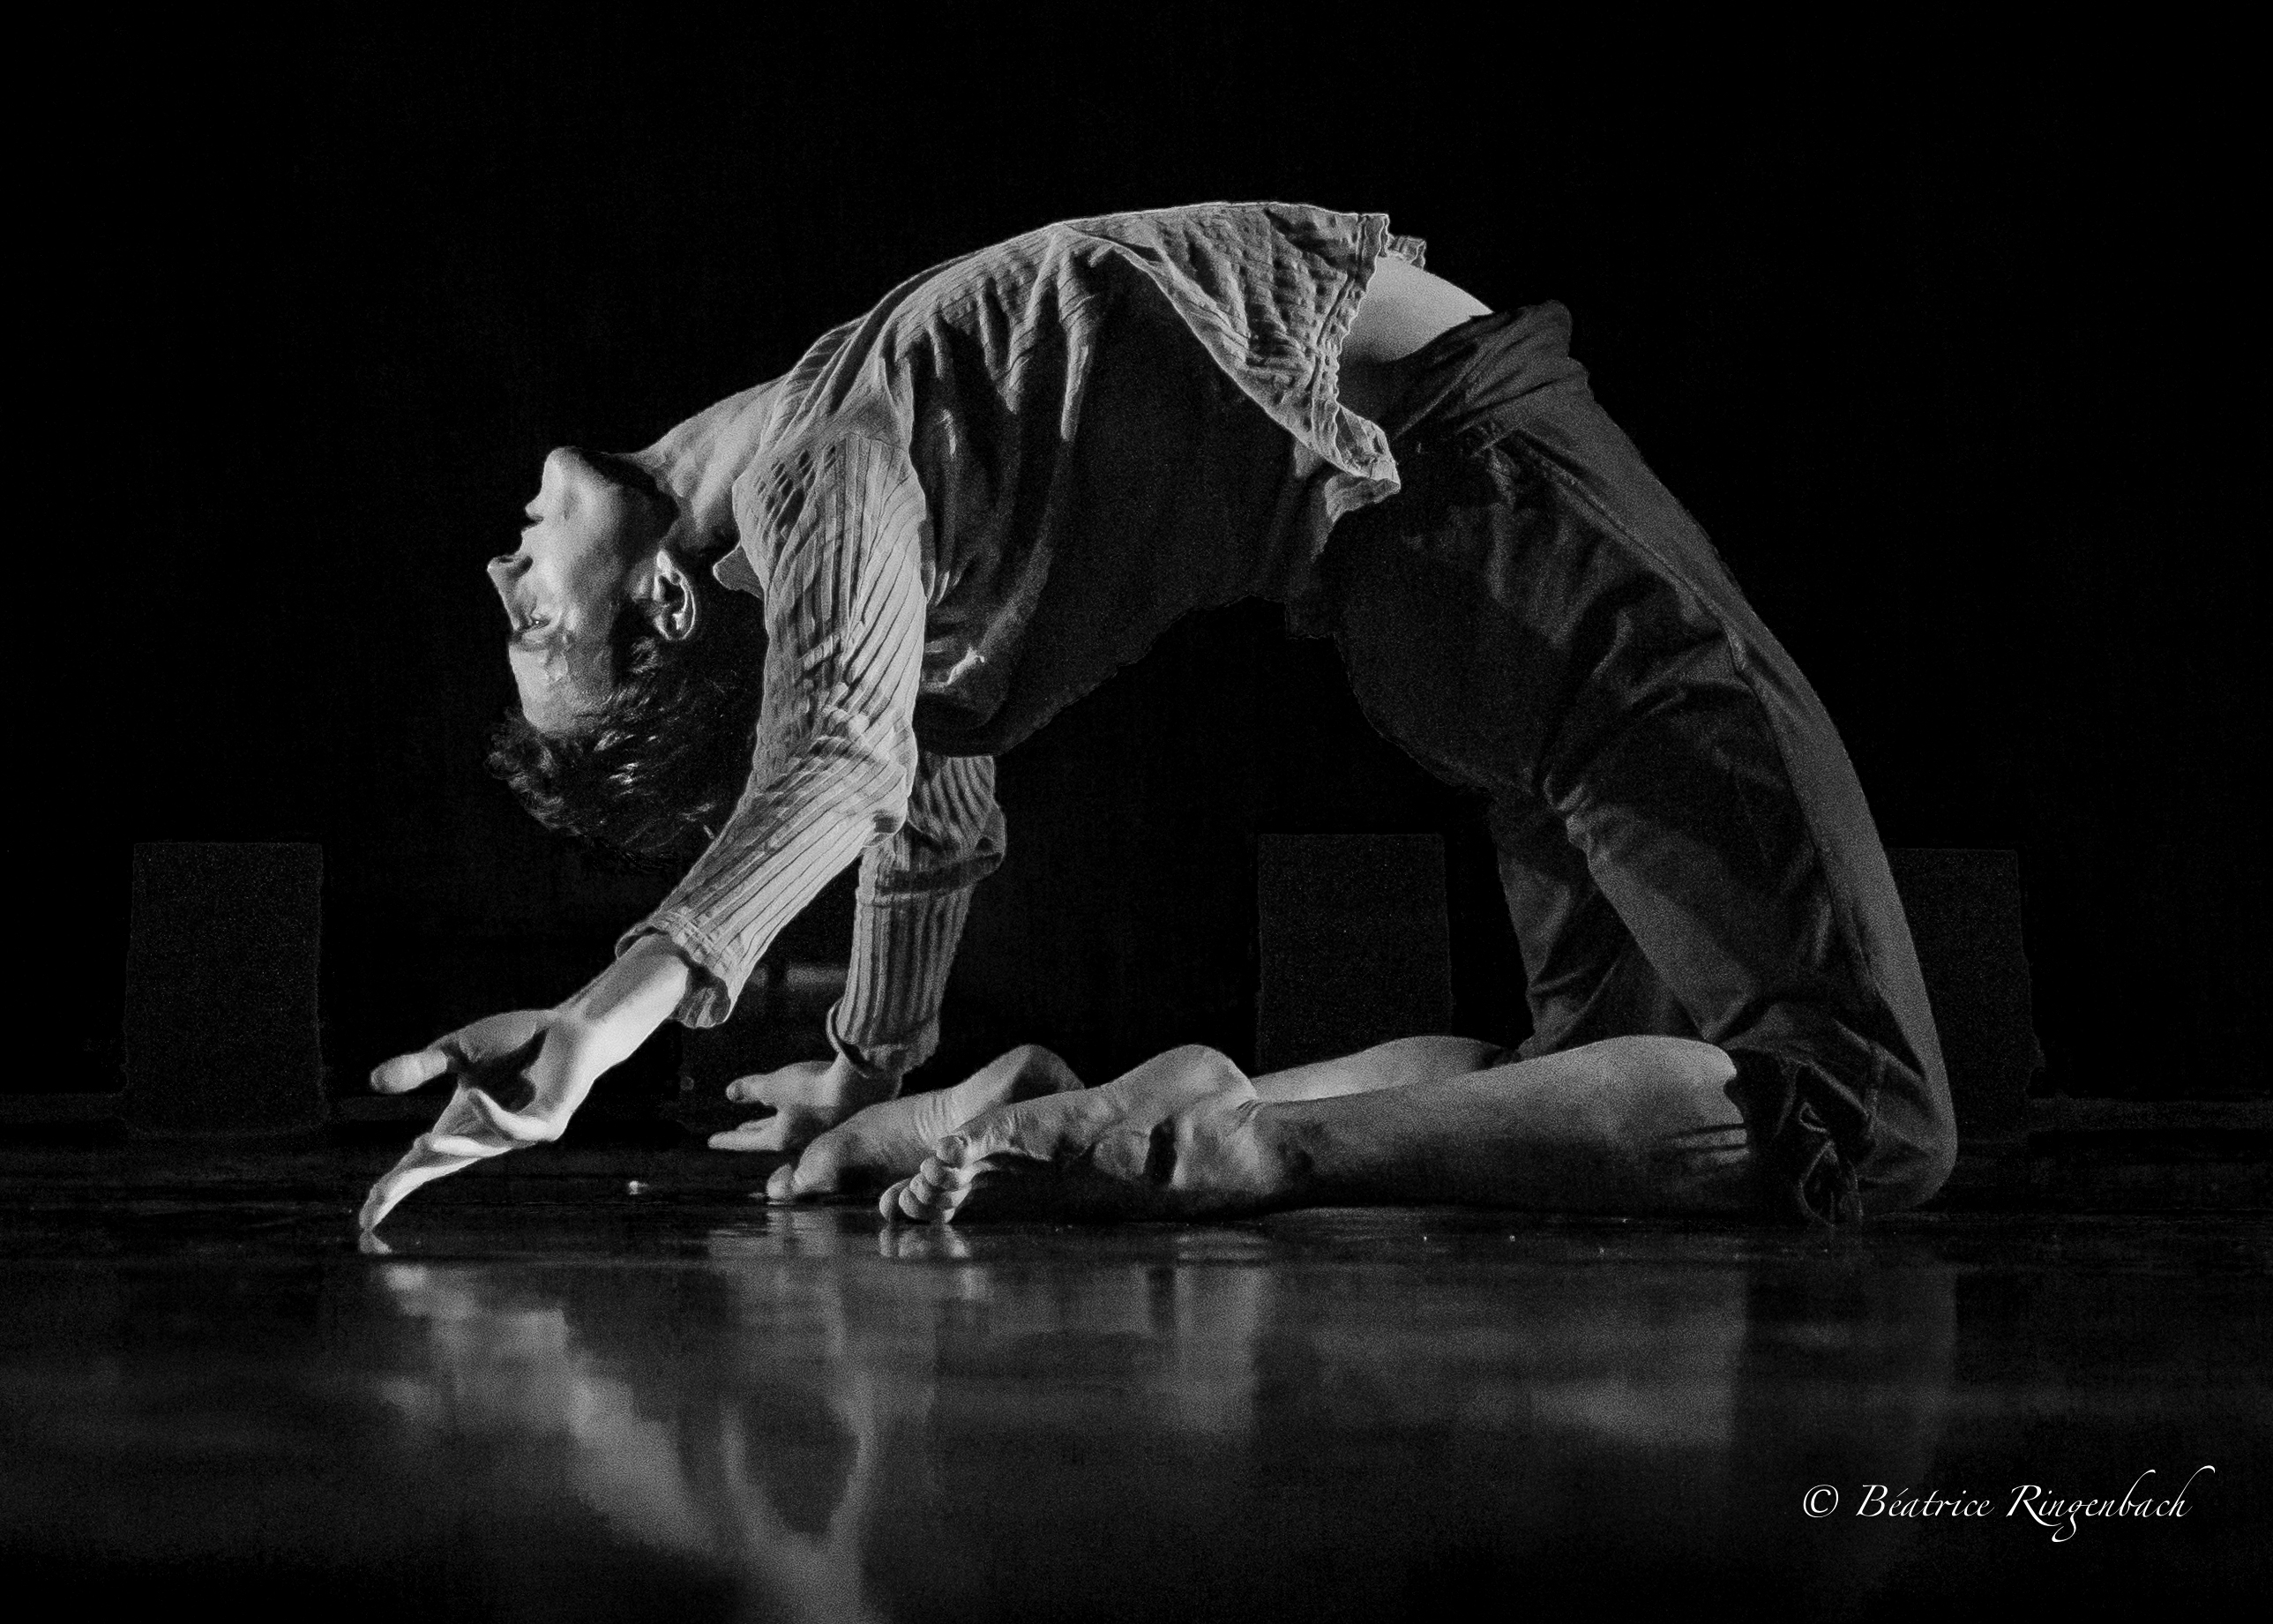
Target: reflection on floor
x=632 y=1405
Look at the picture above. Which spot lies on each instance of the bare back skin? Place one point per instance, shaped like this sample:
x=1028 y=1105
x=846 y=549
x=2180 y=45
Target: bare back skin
x=1405 y=308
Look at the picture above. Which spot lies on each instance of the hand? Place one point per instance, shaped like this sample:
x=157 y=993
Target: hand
x=524 y=1074
x=520 y=1077
x=809 y=1097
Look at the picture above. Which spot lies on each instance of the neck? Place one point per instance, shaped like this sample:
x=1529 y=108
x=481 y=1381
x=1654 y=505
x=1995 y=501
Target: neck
x=699 y=461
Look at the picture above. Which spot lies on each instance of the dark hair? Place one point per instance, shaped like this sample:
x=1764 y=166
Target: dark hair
x=666 y=758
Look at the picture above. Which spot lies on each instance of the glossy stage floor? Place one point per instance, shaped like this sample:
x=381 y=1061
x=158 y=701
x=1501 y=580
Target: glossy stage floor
x=572 y=1396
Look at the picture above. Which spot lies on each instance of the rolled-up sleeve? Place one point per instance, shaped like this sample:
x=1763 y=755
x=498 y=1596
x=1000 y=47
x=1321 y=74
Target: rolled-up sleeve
x=838 y=538
x=915 y=894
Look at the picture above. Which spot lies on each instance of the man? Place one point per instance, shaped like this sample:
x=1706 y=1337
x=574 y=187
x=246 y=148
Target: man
x=975 y=503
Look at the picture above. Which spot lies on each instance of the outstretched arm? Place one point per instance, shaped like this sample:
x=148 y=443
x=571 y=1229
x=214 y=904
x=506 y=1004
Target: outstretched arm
x=521 y=1076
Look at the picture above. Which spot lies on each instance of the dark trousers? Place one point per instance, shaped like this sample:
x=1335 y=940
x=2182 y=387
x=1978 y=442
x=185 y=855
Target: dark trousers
x=1683 y=844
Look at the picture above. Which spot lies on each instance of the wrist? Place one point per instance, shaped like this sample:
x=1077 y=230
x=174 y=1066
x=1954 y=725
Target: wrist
x=857 y=1065
x=876 y=1063
x=628 y=1000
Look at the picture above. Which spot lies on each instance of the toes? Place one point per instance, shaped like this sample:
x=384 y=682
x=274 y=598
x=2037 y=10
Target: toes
x=916 y=1198
x=937 y=1189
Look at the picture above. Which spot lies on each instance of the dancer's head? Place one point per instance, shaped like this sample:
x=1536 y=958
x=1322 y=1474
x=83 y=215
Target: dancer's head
x=638 y=677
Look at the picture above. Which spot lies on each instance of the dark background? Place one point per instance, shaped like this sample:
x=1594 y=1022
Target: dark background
x=1947 y=346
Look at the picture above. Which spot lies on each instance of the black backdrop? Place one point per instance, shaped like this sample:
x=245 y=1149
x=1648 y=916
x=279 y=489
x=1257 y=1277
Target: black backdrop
x=1935 y=340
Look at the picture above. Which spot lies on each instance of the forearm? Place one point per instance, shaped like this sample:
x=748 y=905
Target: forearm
x=624 y=1004
x=784 y=843
x=901 y=952
x=838 y=532
x=914 y=895
x=1631 y=1124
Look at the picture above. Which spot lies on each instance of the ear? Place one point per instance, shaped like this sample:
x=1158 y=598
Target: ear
x=665 y=593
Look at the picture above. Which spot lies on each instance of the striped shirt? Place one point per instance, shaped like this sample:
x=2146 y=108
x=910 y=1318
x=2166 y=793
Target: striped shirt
x=969 y=507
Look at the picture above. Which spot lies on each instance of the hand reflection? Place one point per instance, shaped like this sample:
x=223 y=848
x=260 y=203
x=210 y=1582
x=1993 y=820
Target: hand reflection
x=667 y=1456
x=769 y=1412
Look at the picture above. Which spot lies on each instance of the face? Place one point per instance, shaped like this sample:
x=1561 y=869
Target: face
x=564 y=586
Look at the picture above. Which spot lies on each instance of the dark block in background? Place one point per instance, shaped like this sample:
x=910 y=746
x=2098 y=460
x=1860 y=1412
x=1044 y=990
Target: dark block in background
x=221 y=1029
x=1354 y=942
x=1964 y=910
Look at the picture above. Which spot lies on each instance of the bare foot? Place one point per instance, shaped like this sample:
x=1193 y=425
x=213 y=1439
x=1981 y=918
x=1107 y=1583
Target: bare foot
x=809 y=1098
x=1176 y=1137
x=890 y=1140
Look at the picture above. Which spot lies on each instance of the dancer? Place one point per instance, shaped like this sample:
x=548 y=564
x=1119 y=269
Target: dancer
x=973 y=505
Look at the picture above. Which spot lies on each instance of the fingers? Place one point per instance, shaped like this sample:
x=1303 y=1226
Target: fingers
x=468 y=1131
x=510 y=1039
x=422 y=1164
x=803 y=1082
x=405 y=1072
x=520 y=1128
x=770 y=1134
